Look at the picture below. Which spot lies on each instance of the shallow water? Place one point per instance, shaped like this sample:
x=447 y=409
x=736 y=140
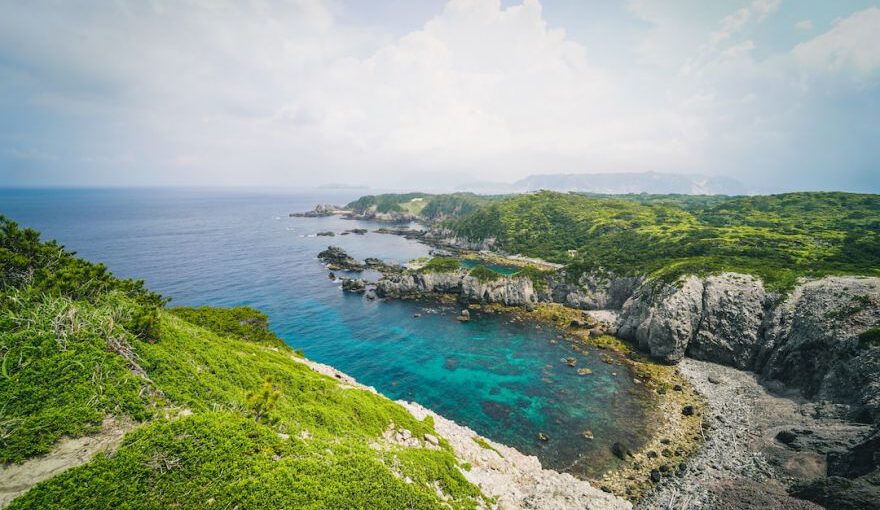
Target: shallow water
x=503 y=379
x=498 y=268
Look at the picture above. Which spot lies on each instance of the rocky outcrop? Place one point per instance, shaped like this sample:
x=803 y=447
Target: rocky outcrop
x=731 y=321
x=336 y=259
x=662 y=319
x=853 y=481
x=511 y=291
x=320 y=211
x=809 y=340
x=516 y=481
x=812 y=342
x=591 y=292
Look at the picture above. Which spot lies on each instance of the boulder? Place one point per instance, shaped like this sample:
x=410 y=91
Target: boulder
x=354 y=285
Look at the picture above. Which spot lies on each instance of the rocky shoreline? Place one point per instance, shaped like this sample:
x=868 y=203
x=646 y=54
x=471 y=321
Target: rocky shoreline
x=514 y=480
x=815 y=342
x=757 y=445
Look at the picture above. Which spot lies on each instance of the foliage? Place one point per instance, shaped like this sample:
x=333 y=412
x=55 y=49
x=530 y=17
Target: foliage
x=26 y=262
x=261 y=429
x=870 y=338
x=778 y=238
x=537 y=276
x=261 y=403
x=483 y=273
x=441 y=265
x=386 y=203
x=64 y=368
x=241 y=322
x=220 y=459
x=428 y=207
x=482 y=443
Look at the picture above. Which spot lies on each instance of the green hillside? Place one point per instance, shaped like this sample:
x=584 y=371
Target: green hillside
x=225 y=415
x=777 y=237
x=422 y=205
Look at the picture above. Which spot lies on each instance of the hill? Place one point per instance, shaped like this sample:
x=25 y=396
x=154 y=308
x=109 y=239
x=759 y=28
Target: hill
x=220 y=412
x=776 y=237
x=616 y=183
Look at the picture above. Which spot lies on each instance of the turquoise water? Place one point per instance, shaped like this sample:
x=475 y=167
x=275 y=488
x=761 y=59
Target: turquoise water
x=503 y=379
x=498 y=268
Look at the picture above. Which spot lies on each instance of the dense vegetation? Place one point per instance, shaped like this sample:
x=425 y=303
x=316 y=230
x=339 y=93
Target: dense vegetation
x=421 y=205
x=777 y=237
x=441 y=265
x=228 y=416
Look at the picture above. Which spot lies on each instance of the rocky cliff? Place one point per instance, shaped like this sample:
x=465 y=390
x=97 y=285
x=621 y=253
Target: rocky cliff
x=809 y=339
x=511 y=291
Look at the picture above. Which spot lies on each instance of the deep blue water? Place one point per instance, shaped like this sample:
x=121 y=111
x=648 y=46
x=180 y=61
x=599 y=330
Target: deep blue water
x=209 y=247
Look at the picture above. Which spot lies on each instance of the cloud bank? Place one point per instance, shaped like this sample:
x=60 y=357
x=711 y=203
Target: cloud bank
x=305 y=92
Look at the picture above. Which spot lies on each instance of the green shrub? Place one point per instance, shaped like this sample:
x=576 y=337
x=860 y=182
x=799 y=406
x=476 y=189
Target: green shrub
x=483 y=273
x=537 y=276
x=778 y=237
x=441 y=265
x=870 y=338
x=241 y=322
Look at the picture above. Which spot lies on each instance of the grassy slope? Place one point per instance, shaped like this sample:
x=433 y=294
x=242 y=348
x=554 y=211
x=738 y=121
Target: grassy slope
x=778 y=237
x=195 y=384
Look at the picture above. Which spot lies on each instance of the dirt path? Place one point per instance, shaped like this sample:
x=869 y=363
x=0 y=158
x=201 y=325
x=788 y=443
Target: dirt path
x=16 y=479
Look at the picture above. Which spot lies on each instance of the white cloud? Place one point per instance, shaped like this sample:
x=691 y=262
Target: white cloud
x=852 y=44
x=286 y=92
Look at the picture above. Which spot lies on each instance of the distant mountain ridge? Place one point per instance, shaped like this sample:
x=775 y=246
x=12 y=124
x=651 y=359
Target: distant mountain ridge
x=619 y=183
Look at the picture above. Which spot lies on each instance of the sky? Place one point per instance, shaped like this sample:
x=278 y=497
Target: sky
x=781 y=94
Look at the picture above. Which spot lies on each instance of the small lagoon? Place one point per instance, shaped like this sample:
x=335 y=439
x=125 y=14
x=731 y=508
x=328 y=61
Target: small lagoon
x=505 y=379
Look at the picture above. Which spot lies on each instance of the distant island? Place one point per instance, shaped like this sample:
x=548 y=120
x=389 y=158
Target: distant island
x=616 y=183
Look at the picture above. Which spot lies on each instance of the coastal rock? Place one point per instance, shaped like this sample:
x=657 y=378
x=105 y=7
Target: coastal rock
x=517 y=481
x=662 y=319
x=354 y=285
x=510 y=290
x=812 y=342
x=809 y=341
x=338 y=258
x=591 y=292
x=730 y=324
x=319 y=211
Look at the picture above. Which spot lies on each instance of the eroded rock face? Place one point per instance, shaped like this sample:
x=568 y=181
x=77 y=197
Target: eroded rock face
x=812 y=342
x=662 y=319
x=511 y=291
x=731 y=324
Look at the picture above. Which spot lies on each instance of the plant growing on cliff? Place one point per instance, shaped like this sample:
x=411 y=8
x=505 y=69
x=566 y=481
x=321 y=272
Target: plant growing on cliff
x=262 y=402
x=441 y=265
x=483 y=273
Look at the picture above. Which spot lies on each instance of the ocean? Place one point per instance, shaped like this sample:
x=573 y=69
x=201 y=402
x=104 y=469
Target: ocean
x=217 y=247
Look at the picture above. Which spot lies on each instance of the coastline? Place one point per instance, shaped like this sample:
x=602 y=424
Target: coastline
x=727 y=454
x=674 y=438
x=513 y=479
x=742 y=464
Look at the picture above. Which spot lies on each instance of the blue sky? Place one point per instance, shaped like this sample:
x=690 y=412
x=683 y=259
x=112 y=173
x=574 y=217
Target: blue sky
x=781 y=94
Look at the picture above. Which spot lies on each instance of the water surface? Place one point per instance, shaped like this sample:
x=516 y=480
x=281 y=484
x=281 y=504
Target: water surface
x=505 y=380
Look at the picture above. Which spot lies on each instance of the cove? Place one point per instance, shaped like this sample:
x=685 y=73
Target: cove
x=503 y=379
